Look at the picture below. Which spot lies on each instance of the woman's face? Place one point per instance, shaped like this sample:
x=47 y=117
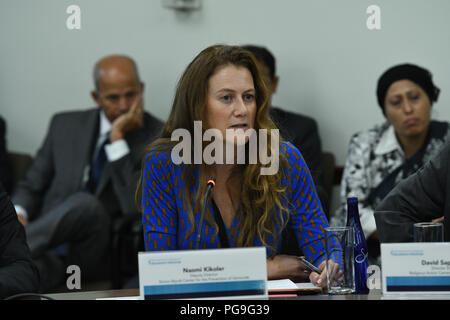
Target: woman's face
x=230 y=102
x=407 y=108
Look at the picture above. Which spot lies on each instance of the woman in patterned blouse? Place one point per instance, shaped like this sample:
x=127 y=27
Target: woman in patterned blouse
x=380 y=157
x=222 y=88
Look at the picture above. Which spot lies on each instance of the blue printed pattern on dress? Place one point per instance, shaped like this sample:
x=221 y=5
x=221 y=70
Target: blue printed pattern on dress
x=165 y=216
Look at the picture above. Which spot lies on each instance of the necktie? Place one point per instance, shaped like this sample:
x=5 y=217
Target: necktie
x=98 y=164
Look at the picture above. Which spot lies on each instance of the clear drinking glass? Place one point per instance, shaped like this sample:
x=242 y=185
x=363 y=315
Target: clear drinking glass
x=428 y=232
x=340 y=242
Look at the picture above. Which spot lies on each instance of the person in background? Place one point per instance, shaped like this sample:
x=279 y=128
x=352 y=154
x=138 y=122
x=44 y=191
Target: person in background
x=382 y=156
x=297 y=128
x=302 y=131
x=84 y=176
x=422 y=197
x=223 y=88
x=18 y=274
x=5 y=165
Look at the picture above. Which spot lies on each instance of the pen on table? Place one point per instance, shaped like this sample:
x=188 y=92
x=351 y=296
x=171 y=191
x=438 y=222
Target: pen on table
x=310 y=266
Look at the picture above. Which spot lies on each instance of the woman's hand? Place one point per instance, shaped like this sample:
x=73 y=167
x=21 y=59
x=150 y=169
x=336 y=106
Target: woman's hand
x=320 y=280
x=287 y=267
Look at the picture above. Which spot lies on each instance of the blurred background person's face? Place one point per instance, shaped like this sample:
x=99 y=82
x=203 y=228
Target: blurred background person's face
x=408 y=109
x=118 y=87
x=231 y=102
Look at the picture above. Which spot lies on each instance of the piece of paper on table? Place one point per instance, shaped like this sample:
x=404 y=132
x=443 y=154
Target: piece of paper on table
x=306 y=285
x=281 y=284
x=287 y=284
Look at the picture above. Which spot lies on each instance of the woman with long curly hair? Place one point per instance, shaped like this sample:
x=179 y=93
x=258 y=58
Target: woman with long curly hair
x=222 y=91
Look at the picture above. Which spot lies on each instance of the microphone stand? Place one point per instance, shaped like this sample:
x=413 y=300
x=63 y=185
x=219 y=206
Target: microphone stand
x=211 y=184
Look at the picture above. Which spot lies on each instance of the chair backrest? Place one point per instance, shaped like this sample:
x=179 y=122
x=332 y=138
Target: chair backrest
x=20 y=162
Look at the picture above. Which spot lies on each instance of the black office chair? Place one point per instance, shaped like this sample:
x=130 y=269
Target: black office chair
x=20 y=162
x=127 y=241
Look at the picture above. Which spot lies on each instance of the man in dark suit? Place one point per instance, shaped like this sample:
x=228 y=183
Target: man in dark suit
x=422 y=197
x=18 y=274
x=85 y=175
x=299 y=129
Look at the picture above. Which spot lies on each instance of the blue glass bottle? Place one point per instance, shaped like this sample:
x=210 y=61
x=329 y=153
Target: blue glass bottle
x=361 y=252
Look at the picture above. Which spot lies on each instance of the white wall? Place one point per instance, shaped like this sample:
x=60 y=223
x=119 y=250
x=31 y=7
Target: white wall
x=328 y=60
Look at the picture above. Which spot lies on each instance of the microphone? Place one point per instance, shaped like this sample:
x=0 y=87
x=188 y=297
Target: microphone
x=210 y=185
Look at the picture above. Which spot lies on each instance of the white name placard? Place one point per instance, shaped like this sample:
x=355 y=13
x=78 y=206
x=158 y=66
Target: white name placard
x=235 y=273
x=415 y=268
